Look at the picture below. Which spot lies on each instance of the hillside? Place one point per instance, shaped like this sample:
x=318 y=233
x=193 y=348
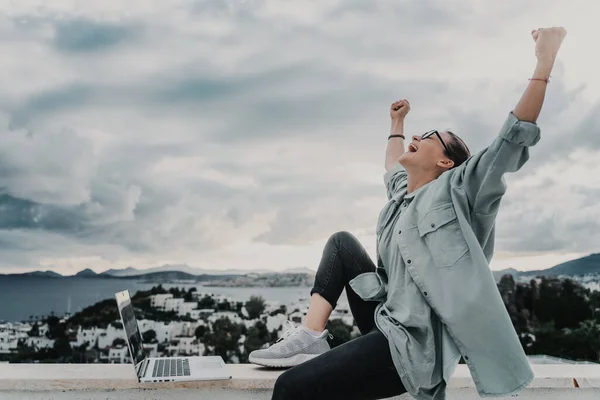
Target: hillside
x=86 y=273
x=578 y=267
x=501 y=273
x=42 y=274
x=581 y=266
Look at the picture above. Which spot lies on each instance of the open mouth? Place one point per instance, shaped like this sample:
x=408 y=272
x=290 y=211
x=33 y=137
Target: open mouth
x=412 y=148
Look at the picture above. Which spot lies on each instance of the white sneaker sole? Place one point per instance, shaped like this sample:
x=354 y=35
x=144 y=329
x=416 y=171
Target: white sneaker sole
x=282 y=362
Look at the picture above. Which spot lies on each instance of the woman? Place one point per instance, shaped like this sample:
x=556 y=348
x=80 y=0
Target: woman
x=431 y=298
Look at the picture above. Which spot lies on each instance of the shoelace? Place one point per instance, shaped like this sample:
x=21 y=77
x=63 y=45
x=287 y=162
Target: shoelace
x=294 y=330
x=291 y=331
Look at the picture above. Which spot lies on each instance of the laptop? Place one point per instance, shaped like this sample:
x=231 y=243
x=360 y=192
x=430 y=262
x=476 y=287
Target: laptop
x=165 y=369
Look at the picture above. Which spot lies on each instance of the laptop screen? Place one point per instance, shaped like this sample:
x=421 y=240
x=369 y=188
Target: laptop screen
x=132 y=332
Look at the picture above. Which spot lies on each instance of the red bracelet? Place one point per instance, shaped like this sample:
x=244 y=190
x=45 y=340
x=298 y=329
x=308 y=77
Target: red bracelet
x=540 y=79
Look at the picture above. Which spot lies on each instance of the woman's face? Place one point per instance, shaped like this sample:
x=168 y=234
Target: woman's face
x=427 y=154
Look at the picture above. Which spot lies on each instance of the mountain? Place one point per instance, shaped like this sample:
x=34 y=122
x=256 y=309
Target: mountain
x=86 y=273
x=507 y=271
x=299 y=270
x=580 y=266
x=166 y=276
x=129 y=271
x=198 y=271
x=40 y=274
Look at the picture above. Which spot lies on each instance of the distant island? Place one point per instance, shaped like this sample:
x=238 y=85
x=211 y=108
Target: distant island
x=298 y=277
x=585 y=270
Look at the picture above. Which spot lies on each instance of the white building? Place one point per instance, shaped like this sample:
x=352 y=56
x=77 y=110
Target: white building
x=107 y=336
x=185 y=346
x=158 y=300
x=275 y=322
x=88 y=335
x=234 y=317
x=342 y=311
x=186 y=308
x=297 y=317
x=11 y=334
x=172 y=304
x=8 y=345
x=39 y=342
x=118 y=355
x=151 y=349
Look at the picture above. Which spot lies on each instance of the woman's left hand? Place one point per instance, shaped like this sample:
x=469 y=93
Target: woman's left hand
x=548 y=42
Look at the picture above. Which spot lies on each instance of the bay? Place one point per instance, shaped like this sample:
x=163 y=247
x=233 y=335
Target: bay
x=22 y=298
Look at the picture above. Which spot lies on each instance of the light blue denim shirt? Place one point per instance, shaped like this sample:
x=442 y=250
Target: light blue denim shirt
x=446 y=240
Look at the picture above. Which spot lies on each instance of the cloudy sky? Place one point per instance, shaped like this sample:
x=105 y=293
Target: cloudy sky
x=243 y=133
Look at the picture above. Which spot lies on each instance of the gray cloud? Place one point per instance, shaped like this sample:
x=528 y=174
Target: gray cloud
x=232 y=123
x=84 y=35
x=23 y=214
x=49 y=102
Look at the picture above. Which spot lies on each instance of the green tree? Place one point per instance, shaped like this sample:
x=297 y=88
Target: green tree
x=340 y=331
x=595 y=305
x=35 y=330
x=223 y=339
x=562 y=301
x=62 y=346
x=149 y=336
x=281 y=310
x=255 y=307
x=585 y=341
x=253 y=340
x=206 y=302
x=224 y=306
x=158 y=290
x=200 y=331
x=189 y=296
x=256 y=337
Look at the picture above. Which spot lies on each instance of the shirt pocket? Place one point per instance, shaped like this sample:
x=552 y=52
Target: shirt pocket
x=442 y=234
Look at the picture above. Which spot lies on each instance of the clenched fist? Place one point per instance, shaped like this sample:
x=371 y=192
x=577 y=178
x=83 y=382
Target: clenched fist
x=399 y=109
x=547 y=42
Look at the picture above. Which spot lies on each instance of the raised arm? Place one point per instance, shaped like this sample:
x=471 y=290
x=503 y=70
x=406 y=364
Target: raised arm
x=395 y=175
x=481 y=177
x=548 y=42
x=395 y=147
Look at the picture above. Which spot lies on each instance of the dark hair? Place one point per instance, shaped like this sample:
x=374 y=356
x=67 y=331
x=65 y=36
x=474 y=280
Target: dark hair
x=459 y=152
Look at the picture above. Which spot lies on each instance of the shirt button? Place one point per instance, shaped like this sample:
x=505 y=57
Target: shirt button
x=399 y=232
x=425 y=293
x=409 y=261
x=433 y=225
x=466 y=357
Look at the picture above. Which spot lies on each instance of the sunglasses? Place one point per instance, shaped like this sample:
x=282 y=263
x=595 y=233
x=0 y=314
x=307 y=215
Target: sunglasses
x=434 y=132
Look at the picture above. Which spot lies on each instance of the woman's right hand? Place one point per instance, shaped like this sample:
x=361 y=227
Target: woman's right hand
x=399 y=109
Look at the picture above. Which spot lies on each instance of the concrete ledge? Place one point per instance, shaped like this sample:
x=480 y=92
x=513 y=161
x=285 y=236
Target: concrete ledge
x=86 y=377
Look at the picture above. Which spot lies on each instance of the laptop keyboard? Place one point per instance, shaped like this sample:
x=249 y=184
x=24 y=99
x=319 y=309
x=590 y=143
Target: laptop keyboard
x=171 y=367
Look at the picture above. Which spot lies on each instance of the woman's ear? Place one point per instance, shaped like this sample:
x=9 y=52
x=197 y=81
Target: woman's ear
x=445 y=164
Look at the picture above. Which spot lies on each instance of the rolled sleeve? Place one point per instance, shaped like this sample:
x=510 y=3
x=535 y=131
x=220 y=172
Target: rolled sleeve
x=394 y=180
x=481 y=177
x=520 y=132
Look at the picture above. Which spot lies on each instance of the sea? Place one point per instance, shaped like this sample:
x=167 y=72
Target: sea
x=25 y=298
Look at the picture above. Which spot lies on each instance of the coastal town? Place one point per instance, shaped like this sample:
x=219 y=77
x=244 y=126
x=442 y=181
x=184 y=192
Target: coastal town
x=172 y=323
x=554 y=316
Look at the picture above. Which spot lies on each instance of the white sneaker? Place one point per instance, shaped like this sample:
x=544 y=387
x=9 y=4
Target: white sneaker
x=294 y=347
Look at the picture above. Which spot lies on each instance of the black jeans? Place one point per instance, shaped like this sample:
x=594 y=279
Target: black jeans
x=359 y=369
